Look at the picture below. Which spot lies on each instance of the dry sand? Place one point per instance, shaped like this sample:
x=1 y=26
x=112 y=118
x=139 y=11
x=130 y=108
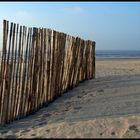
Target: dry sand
x=105 y=107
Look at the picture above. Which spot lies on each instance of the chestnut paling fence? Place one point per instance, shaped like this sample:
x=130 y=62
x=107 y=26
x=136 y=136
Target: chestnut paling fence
x=38 y=65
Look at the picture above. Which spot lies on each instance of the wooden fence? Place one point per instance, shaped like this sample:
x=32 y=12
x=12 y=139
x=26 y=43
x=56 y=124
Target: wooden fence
x=38 y=65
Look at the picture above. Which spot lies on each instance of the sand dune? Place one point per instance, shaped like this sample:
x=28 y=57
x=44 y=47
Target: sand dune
x=105 y=107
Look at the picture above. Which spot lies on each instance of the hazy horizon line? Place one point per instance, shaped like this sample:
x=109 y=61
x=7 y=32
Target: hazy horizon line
x=116 y=50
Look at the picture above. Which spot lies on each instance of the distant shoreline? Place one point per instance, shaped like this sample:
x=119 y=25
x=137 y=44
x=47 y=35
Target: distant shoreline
x=117 y=58
x=117 y=55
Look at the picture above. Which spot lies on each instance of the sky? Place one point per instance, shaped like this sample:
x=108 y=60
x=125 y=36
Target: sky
x=112 y=25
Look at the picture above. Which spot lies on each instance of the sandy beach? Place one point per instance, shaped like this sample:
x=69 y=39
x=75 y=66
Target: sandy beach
x=105 y=107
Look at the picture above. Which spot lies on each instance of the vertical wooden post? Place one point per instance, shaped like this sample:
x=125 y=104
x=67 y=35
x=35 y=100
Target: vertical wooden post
x=21 y=61
x=7 y=78
x=27 y=71
x=11 y=77
x=3 y=93
x=18 y=73
x=94 y=68
x=15 y=75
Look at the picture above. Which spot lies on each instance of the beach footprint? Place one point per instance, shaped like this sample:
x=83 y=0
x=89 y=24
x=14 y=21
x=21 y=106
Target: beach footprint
x=46 y=115
x=25 y=131
x=4 y=132
x=42 y=123
x=48 y=130
x=33 y=135
x=79 y=96
x=77 y=108
x=133 y=128
x=10 y=136
x=100 y=90
x=113 y=133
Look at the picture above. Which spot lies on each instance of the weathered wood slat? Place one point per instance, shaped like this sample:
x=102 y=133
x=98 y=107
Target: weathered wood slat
x=42 y=69
x=45 y=68
x=25 y=72
x=31 y=70
x=62 y=62
x=37 y=70
x=58 y=63
x=3 y=73
x=52 y=71
x=16 y=75
x=7 y=78
x=72 y=54
x=33 y=80
x=74 y=74
x=21 y=75
x=48 y=39
x=11 y=76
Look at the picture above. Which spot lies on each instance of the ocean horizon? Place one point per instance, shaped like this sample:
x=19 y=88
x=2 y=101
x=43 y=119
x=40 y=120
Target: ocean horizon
x=117 y=54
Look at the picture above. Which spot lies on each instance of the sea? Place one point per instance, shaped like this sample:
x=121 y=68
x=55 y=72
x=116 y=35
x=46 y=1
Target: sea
x=109 y=54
